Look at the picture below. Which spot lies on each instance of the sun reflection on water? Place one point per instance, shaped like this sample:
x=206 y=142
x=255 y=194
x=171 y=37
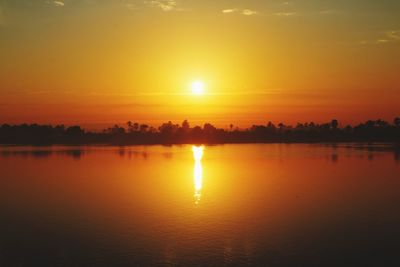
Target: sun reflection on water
x=197 y=172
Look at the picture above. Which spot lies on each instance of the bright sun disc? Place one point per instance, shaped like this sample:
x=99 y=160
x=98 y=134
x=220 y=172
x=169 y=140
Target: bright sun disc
x=197 y=88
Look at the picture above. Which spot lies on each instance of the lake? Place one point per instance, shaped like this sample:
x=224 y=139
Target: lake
x=227 y=205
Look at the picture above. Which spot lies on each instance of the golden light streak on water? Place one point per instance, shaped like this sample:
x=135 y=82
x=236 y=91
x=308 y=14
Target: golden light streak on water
x=197 y=172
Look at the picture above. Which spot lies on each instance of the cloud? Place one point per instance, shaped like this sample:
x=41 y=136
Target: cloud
x=165 y=5
x=382 y=41
x=59 y=3
x=394 y=35
x=285 y=14
x=227 y=11
x=388 y=37
x=246 y=12
x=249 y=12
x=374 y=42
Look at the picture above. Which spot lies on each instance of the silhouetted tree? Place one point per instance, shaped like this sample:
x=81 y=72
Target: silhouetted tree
x=185 y=126
x=334 y=124
x=130 y=126
x=116 y=130
x=74 y=131
x=396 y=122
x=208 y=128
x=143 y=128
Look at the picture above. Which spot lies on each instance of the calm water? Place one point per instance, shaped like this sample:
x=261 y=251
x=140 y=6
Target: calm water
x=231 y=205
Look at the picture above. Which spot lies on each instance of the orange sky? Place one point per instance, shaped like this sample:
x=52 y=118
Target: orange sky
x=101 y=62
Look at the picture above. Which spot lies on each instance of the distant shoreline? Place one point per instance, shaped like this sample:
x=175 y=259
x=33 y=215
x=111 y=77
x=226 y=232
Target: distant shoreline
x=377 y=131
x=347 y=144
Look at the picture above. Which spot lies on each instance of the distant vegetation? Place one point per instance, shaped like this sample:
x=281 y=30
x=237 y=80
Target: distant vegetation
x=170 y=133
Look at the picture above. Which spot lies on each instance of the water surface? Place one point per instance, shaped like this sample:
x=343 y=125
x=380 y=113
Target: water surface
x=230 y=205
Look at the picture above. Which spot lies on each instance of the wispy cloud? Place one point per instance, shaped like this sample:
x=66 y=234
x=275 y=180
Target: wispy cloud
x=394 y=35
x=286 y=14
x=382 y=41
x=165 y=5
x=246 y=12
x=59 y=3
x=227 y=11
x=388 y=37
x=249 y=12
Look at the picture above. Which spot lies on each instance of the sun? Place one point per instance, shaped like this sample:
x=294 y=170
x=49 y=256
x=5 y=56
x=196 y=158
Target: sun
x=197 y=88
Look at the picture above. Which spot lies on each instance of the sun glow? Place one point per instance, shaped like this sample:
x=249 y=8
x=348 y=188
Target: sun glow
x=197 y=88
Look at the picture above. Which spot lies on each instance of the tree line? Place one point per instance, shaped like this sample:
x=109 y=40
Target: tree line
x=171 y=133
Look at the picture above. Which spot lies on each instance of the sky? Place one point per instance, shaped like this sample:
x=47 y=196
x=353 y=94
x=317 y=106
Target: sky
x=100 y=62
